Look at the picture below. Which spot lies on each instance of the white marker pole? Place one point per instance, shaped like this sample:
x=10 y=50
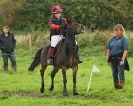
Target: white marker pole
x=89 y=82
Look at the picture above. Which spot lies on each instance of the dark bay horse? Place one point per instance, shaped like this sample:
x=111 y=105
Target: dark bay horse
x=66 y=57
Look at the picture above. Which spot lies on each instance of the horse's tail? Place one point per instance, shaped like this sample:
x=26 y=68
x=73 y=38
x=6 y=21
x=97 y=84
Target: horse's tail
x=36 y=60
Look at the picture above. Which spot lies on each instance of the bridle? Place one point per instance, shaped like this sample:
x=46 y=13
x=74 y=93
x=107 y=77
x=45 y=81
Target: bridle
x=70 y=32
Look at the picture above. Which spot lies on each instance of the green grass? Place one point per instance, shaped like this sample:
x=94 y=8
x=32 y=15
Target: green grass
x=22 y=88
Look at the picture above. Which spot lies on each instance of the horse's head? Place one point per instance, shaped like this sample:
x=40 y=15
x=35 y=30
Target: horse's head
x=76 y=28
x=72 y=30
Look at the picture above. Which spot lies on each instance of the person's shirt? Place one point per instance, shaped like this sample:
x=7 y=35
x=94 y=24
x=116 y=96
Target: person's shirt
x=117 y=45
x=61 y=22
x=7 y=43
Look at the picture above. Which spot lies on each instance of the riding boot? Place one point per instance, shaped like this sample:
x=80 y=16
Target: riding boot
x=116 y=84
x=122 y=82
x=51 y=56
x=80 y=61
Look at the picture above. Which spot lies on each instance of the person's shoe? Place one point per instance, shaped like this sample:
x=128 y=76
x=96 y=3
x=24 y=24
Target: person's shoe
x=50 y=62
x=5 y=68
x=121 y=84
x=116 y=84
x=14 y=68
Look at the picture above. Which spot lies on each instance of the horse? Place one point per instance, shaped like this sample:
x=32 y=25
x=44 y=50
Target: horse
x=66 y=56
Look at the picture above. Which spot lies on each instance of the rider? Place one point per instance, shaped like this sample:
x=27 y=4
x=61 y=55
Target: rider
x=57 y=26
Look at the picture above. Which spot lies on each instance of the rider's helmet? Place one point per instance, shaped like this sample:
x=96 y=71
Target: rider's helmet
x=56 y=9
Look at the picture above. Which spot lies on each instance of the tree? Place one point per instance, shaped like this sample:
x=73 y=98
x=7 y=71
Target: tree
x=8 y=9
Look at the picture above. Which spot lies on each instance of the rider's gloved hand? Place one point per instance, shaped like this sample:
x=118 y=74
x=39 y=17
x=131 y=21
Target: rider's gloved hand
x=54 y=27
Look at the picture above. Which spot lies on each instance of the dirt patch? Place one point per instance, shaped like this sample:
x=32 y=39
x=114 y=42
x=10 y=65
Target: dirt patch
x=6 y=94
x=104 y=98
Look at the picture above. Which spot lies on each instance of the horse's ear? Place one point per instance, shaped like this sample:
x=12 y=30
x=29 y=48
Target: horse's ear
x=69 y=21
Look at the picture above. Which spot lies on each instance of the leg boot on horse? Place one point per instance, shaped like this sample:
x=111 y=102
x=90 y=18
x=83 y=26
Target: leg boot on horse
x=80 y=61
x=51 y=56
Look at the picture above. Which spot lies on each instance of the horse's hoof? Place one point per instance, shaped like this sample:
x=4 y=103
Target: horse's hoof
x=65 y=94
x=75 y=93
x=42 y=90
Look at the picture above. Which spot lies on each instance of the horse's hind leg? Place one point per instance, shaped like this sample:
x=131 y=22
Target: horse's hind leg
x=75 y=69
x=42 y=78
x=53 y=73
x=64 y=82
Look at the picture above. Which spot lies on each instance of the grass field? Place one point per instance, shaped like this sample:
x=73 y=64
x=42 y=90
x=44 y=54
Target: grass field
x=22 y=88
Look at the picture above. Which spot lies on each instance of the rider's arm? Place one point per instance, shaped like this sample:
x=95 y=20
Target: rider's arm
x=54 y=26
x=64 y=23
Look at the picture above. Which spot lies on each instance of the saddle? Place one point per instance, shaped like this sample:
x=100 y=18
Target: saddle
x=57 y=48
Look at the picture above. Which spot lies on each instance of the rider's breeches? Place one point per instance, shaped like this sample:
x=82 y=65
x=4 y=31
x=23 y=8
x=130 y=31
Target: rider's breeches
x=55 y=39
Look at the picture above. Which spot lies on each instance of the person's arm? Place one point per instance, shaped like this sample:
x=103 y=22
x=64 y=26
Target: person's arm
x=64 y=23
x=107 y=55
x=54 y=26
x=125 y=47
x=14 y=41
x=1 y=44
x=124 y=55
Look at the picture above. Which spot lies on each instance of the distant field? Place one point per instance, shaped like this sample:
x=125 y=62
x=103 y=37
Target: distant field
x=22 y=88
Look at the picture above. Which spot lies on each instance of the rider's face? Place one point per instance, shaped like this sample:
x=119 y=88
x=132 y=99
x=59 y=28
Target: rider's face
x=57 y=15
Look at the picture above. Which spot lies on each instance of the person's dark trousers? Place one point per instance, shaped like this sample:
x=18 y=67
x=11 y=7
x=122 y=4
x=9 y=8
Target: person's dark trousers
x=118 y=75
x=12 y=58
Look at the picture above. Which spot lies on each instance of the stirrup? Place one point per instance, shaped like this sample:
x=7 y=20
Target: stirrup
x=50 y=62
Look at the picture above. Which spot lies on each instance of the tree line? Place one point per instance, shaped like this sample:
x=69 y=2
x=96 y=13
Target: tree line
x=31 y=15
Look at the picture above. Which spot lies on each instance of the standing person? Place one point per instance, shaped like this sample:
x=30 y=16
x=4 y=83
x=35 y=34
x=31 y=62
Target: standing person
x=117 y=50
x=7 y=45
x=57 y=27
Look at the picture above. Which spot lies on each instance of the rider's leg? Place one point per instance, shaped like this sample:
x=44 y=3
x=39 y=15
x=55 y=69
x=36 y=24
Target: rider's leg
x=54 y=41
x=51 y=56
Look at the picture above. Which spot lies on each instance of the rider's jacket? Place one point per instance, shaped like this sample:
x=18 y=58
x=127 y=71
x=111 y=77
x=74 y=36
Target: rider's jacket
x=61 y=22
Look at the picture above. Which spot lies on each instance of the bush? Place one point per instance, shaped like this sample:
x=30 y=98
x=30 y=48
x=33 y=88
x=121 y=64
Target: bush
x=90 y=43
x=130 y=43
x=95 y=43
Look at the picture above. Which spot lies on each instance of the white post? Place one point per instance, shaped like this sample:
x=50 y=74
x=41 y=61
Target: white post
x=89 y=82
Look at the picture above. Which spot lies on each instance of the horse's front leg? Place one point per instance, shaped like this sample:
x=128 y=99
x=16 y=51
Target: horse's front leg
x=42 y=79
x=64 y=82
x=53 y=73
x=75 y=69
